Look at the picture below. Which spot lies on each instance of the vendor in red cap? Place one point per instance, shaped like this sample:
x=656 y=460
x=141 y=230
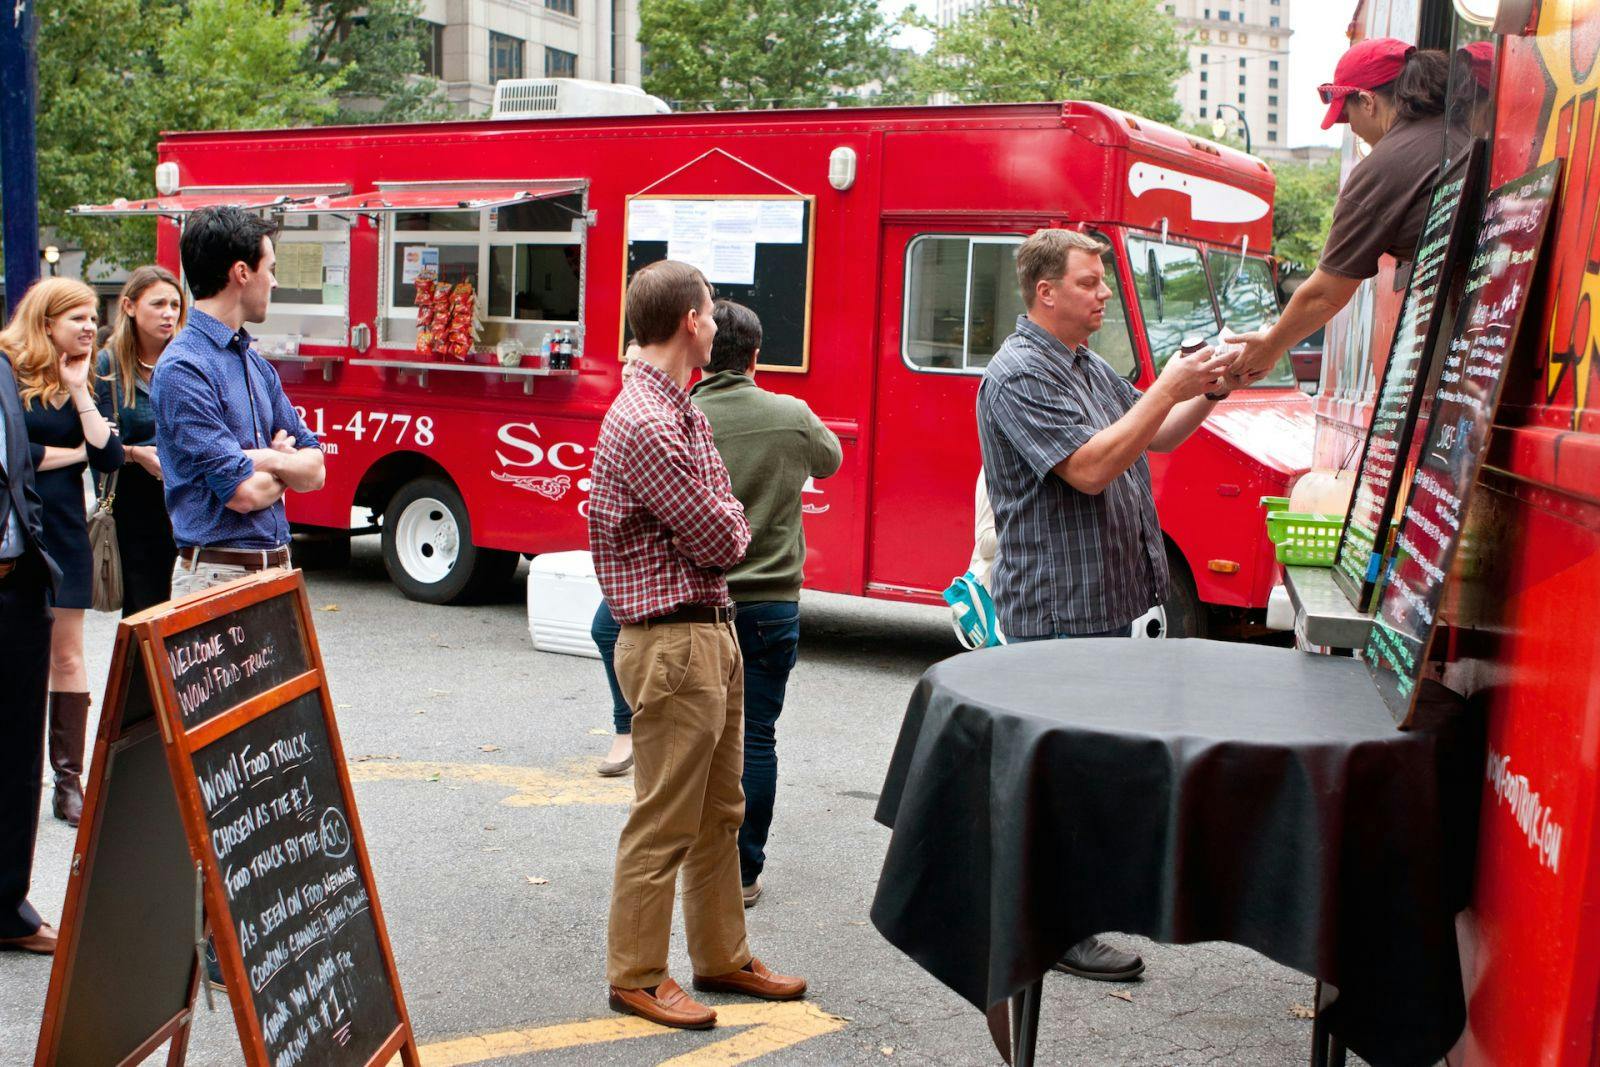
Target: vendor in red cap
x=1393 y=97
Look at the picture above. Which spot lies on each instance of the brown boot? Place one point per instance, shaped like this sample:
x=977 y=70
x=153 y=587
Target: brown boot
x=69 y=716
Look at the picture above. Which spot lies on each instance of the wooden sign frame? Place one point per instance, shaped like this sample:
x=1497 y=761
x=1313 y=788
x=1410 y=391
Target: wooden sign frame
x=140 y=656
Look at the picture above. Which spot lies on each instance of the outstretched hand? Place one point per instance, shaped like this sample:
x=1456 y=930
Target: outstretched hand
x=1188 y=376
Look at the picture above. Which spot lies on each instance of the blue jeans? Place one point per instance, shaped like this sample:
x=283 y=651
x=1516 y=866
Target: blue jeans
x=1120 y=631
x=604 y=630
x=769 y=642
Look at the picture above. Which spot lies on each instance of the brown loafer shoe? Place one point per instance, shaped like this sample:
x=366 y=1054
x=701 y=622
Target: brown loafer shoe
x=42 y=941
x=670 y=1006
x=753 y=980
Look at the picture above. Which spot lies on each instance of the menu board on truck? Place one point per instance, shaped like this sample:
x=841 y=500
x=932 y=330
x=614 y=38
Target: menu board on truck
x=1482 y=340
x=1383 y=473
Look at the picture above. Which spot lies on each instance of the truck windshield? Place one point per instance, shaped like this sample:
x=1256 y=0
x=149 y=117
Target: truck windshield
x=1248 y=300
x=1174 y=295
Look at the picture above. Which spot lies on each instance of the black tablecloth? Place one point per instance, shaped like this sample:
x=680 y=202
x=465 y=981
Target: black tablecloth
x=1186 y=791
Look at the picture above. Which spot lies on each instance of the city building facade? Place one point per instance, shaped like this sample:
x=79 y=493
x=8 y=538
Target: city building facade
x=1238 y=67
x=472 y=44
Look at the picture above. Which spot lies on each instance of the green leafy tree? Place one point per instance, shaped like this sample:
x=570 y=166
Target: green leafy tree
x=718 y=54
x=377 y=46
x=114 y=73
x=1125 y=53
x=1302 y=211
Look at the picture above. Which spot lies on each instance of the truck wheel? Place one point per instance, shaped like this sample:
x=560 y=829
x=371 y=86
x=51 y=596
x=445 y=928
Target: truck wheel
x=428 y=549
x=1186 y=615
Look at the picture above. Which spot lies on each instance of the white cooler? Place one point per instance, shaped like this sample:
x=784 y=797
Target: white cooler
x=562 y=597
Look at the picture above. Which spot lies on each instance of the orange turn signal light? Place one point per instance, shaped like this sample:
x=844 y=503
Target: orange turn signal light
x=1223 y=566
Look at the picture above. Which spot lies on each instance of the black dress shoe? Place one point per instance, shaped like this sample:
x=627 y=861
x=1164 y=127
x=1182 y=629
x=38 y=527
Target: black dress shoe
x=1093 y=958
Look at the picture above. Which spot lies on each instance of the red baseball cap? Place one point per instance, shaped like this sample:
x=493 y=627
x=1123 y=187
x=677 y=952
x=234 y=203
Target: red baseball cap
x=1480 y=58
x=1366 y=66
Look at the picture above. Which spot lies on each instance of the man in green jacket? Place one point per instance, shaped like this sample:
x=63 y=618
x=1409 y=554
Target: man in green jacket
x=772 y=445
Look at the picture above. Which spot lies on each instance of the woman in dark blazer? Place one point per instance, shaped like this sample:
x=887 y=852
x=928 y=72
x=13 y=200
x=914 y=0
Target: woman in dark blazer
x=151 y=312
x=50 y=341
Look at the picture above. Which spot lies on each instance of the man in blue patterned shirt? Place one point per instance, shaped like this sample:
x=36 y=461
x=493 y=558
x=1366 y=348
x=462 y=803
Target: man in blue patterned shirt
x=231 y=444
x=1064 y=438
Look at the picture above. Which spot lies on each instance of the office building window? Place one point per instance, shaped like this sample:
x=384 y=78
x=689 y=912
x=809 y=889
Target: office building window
x=559 y=64
x=1272 y=83
x=505 y=57
x=1205 y=75
x=1241 y=61
x=1204 y=59
x=1241 y=98
x=1202 y=112
x=1272 y=116
x=432 y=40
x=565 y=7
x=1241 y=78
x=1208 y=12
x=1225 y=16
x=1272 y=101
x=1273 y=22
x=1272 y=135
x=1272 y=64
x=1203 y=94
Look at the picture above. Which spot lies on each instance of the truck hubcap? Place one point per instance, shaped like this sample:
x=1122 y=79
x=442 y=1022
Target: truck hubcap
x=427 y=540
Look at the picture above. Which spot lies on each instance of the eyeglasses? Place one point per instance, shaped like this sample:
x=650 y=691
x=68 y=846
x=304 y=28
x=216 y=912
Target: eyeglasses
x=1329 y=92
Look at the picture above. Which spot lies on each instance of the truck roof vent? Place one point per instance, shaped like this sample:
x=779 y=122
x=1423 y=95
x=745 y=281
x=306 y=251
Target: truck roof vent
x=535 y=98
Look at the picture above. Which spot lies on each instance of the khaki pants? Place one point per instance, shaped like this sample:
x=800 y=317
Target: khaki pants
x=685 y=683
x=192 y=577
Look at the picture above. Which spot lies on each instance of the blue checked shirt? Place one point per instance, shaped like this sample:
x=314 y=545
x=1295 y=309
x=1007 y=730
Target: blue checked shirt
x=1067 y=562
x=204 y=422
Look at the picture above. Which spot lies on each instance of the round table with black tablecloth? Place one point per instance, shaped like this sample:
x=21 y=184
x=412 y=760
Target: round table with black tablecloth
x=1186 y=791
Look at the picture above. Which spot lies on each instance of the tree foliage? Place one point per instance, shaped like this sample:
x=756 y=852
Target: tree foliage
x=113 y=74
x=1302 y=212
x=718 y=54
x=376 y=45
x=1125 y=53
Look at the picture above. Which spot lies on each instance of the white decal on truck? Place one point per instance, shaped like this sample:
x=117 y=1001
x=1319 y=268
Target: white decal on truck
x=550 y=488
x=1209 y=200
x=808 y=508
x=523 y=447
x=1532 y=815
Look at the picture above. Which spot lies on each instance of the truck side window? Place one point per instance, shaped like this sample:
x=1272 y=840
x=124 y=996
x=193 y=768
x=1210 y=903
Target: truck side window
x=1248 y=300
x=1174 y=295
x=525 y=261
x=961 y=300
x=313 y=270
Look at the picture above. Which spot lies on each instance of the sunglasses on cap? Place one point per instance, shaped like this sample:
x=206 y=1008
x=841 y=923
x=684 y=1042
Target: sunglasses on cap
x=1329 y=92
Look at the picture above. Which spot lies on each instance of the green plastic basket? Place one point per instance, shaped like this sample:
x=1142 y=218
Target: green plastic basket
x=1304 y=539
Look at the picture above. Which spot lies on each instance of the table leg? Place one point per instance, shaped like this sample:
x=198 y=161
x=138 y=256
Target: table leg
x=1025 y=1024
x=1326 y=1049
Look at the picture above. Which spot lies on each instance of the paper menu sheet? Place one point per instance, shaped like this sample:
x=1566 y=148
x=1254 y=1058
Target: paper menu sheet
x=695 y=221
x=299 y=265
x=780 y=222
x=650 y=220
x=732 y=263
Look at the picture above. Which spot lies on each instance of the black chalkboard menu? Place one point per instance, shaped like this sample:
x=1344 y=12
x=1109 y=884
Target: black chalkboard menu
x=754 y=250
x=250 y=814
x=1499 y=276
x=1407 y=376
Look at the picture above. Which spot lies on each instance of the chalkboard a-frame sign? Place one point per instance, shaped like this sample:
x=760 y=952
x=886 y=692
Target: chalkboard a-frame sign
x=218 y=774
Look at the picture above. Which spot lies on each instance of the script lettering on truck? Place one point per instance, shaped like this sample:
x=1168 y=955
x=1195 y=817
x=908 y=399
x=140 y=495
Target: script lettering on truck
x=524 y=448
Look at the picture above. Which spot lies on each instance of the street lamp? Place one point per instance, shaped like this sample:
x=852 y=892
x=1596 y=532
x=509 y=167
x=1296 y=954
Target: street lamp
x=52 y=256
x=1219 y=128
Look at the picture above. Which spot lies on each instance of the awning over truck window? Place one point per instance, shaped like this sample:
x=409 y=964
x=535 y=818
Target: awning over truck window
x=181 y=204
x=438 y=196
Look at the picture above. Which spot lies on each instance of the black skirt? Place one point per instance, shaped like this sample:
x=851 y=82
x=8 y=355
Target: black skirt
x=144 y=536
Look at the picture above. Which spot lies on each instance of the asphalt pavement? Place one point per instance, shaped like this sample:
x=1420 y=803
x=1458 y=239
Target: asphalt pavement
x=492 y=841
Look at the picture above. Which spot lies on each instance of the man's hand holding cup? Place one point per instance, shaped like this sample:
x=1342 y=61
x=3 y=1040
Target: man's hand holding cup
x=1197 y=372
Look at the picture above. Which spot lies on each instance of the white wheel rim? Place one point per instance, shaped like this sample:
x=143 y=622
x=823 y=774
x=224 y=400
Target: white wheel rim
x=427 y=540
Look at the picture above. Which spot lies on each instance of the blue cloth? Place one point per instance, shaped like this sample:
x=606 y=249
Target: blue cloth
x=135 y=415
x=604 y=630
x=215 y=396
x=769 y=641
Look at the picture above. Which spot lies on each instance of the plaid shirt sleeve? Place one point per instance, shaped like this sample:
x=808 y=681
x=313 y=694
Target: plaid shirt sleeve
x=1044 y=426
x=707 y=522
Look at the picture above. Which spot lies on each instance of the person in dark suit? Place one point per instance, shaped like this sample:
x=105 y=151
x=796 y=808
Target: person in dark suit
x=50 y=341
x=27 y=578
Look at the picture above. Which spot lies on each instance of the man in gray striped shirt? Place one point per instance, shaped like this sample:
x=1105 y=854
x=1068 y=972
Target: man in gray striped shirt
x=1064 y=440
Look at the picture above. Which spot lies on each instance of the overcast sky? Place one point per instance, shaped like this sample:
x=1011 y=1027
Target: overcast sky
x=1314 y=47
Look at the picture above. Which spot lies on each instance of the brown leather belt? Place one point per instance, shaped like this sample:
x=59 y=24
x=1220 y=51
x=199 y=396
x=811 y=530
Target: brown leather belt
x=693 y=613
x=251 y=559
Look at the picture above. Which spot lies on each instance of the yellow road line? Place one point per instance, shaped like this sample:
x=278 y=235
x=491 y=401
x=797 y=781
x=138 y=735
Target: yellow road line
x=772 y=1027
x=575 y=783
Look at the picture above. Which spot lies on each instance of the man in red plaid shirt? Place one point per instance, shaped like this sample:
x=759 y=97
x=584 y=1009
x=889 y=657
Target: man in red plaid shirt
x=664 y=527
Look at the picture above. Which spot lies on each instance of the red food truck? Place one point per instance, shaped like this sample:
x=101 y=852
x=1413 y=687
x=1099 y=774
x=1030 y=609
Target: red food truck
x=449 y=318
x=1520 y=640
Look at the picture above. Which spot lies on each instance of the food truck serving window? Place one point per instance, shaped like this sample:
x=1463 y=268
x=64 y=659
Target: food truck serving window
x=313 y=279
x=962 y=300
x=524 y=260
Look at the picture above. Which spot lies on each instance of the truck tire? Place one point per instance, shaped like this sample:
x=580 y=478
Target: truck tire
x=1186 y=615
x=428 y=549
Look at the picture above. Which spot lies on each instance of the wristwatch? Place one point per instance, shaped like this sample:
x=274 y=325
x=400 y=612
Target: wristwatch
x=1219 y=396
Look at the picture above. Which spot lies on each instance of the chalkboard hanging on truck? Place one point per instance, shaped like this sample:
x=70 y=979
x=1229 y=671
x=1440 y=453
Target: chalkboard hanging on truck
x=1482 y=341
x=218 y=801
x=754 y=250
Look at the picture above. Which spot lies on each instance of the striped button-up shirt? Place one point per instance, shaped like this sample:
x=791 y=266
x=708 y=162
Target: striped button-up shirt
x=1068 y=562
x=664 y=525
